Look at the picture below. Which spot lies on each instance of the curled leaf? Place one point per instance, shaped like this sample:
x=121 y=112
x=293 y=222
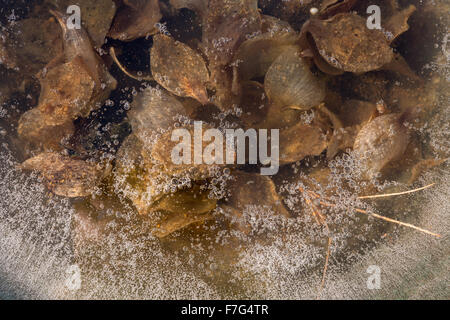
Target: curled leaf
x=78 y=45
x=97 y=16
x=179 y=69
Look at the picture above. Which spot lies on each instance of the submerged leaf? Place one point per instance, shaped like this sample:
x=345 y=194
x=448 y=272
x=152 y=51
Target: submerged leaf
x=289 y=82
x=256 y=55
x=183 y=208
x=66 y=92
x=226 y=25
x=381 y=141
x=27 y=48
x=154 y=110
x=398 y=23
x=65 y=176
x=78 y=45
x=345 y=42
x=96 y=16
x=136 y=19
x=40 y=130
x=300 y=141
x=179 y=69
x=247 y=190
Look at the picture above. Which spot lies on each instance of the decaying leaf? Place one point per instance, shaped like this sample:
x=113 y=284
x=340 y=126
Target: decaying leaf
x=154 y=110
x=164 y=147
x=256 y=55
x=96 y=16
x=381 y=141
x=78 y=45
x=66 y=93
x=65 y=176
x=28 y=48
x=136 y=19
x=135 y=177
x=300 y=141
x=226 y=25
x=183 y=208
x=179 y=69
x=398 y=23
x=330 y=8
x=345 y=42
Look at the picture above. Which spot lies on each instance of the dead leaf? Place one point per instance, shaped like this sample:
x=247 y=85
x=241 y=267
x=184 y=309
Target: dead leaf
x=179 y=69
x=136 y=19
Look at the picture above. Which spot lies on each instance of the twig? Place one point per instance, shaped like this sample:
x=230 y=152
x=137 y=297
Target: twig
x=396 y=194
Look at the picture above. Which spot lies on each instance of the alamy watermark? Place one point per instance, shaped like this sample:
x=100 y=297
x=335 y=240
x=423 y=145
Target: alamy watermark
x=235 y=151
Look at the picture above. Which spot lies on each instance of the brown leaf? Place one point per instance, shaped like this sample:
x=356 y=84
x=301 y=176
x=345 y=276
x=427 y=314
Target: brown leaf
x=300 y=141
x=381 y=141
x=330 y=8
x=40 y=131
x=398 y=23
x=136 y=19
x=65 y=176
x=183 y=208
x=247 y=189
x=179 y=69
x=346 y=44
x=96 y=16
x=226 y=25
